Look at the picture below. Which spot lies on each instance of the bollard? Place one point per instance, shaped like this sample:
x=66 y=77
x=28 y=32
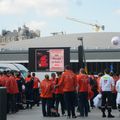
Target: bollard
x=3 y=103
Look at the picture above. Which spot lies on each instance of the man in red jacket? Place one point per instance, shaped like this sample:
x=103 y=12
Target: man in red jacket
x=12 y=90
x=29 y=91
x=36 y=94
x=46 y=95
x=59 y=97
x=83 y=83
x=69 y=83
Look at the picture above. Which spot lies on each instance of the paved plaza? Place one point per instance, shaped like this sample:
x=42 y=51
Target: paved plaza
x=36 y=114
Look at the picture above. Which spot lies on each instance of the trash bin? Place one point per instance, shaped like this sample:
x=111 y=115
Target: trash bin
x=3 y=103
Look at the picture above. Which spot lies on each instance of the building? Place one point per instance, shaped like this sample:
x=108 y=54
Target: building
x=23 y=33
x=99 y=52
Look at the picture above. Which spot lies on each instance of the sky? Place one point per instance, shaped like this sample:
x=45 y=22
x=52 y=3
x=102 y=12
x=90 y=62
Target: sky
x=50 y=16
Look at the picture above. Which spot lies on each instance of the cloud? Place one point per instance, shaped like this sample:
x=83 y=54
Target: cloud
x=117 y=11
x=34 y=25
x=79 y=2
x=45 y=7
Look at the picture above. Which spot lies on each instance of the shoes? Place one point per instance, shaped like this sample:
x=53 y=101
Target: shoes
x=103 y=115
x=74 y=116
x=64 y=114
x=111 y=116
x=68 y=117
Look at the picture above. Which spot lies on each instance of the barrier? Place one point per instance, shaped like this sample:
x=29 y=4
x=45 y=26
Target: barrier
x=3 y=103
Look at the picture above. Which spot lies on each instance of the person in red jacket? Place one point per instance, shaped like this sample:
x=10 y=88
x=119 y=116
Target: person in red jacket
x=59 y=97
x=36 y=94
x=12 y=90
x=29 y=91
x=69 y=83
x=114 y=93
x=83 y=82
x=4 y=78
x=1 y=74
x=53 y=80
x=19 y=96
x=46 y=95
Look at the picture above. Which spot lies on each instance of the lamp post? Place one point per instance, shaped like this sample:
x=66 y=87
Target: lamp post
x=83 y=52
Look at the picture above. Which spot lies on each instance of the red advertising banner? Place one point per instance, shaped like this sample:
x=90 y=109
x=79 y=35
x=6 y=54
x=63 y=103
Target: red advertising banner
x=42 y=59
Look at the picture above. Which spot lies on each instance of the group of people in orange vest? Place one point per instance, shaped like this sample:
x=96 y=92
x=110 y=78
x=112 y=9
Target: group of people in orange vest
x=63 y=89
x=67 y=88
x=20 y=91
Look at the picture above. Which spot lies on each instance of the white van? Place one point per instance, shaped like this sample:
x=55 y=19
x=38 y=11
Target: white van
x=16 y=67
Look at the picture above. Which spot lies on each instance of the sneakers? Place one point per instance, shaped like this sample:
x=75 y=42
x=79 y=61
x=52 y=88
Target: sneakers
x=74 y=116
x=111 y=116
x=103 y=115
x=68 y=117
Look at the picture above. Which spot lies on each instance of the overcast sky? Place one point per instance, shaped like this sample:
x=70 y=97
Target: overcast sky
x=50 y=15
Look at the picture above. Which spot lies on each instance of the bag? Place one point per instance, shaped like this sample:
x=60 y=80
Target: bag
x=97 y=101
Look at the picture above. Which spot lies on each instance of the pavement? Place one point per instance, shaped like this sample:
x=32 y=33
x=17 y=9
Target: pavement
x=36 y=114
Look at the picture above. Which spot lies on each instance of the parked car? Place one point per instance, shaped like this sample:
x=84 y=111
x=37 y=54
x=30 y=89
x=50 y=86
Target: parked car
x=14 y=67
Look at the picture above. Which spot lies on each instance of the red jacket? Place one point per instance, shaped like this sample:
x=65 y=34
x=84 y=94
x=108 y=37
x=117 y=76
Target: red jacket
x=11 y=85
x=59 y=89
x=4 y=78
x=0 y=80
x=68 y=81
x=46 y=88
x=28 y=79
x=83 y=82
x=36 y=82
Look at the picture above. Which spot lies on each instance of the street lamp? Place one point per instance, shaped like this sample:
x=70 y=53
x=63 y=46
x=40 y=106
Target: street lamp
x=82 y=51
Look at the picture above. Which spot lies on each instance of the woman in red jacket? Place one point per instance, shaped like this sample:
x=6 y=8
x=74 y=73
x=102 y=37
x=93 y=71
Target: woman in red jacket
x=46 y=95
x=12 y=90
x=83 y=83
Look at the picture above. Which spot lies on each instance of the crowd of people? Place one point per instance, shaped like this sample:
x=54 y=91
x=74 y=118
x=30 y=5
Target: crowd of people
x=21 y=93
x=66 y=88
x=79 y=90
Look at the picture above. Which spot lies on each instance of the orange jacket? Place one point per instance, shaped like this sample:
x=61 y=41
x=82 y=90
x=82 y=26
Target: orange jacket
x=36 y=81
x=11 y=85
x=4 y=78
x=69 y=81
x=90 y=92
x=53 y=83
x=46 y=88
x=59 y=89
x=28 y=79
x=83 y=82
x=0 y=80
x=98 y=84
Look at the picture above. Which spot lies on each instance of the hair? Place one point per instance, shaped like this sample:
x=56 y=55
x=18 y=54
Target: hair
x=107 y=71
x=111 y=74
x=100 y=74
x=5 y=72
x=52 y=74
x=59 y=73
x=82 y=70
x=47 y=76
x=33 y=74
x=67 y=67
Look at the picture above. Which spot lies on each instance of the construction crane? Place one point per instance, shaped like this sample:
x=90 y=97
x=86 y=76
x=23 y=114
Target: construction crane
x=96 y=27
